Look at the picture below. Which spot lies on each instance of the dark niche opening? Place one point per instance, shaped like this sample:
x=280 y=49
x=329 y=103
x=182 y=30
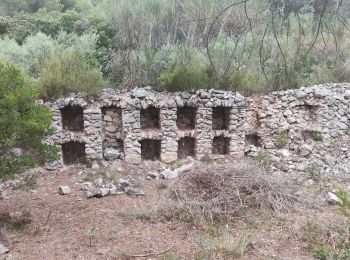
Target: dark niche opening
x=221 y=145
x=150 y=118
x=186 y=147
x=221 y=118
x=73 y=152
x=72 y=118
x=253 y=139
x=150 y=149
x=186 y=117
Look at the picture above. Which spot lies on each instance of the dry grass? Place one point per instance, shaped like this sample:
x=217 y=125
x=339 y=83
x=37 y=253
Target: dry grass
x=217 y=192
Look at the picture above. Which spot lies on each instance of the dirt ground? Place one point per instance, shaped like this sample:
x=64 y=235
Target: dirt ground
x=122 y=227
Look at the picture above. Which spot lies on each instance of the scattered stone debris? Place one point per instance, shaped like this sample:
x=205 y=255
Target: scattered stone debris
x=102 y=187
x=64 y=190
x=332 y=199
x=3 y=249
x=173 y=174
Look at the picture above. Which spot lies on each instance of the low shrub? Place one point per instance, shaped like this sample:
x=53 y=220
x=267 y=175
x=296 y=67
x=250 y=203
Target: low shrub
x=316 y=136
x=69 y=72
x=282 y=139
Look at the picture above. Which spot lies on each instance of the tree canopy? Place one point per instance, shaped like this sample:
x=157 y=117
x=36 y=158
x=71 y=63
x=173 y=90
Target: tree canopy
x=247 y=45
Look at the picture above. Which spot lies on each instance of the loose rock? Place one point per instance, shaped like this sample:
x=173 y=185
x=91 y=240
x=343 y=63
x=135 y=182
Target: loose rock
x=64 y=190
x=3 y=249
x=332 y=199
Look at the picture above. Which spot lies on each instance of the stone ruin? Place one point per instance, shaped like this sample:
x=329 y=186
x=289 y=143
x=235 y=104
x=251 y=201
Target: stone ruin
x=147 y=125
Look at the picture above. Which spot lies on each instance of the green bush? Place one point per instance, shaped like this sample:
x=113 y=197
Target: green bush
x=68 y=72
x=183 y=77
x=316 y=136
x=282 y=139
x=23 y=124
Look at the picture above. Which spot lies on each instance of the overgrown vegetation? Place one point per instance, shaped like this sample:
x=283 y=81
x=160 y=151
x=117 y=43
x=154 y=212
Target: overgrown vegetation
x=23 y=124
x=249 y=46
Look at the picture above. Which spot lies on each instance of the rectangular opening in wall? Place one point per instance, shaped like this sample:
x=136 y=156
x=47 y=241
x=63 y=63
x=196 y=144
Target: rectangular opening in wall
x=112 y=127
x=186 y=147
x=73 y=152
x=221 y=118
x=72 y=118
x=253 y=139
x=221 y=145
x=186 y=117
x=150 y=118
x=150 y=149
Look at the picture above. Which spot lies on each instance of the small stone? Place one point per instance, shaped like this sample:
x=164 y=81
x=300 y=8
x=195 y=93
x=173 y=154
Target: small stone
x=124 y=183
x=332 y=199
x=111 y=154
x=133 y=191
x=104 y=192
x=63 y=190
x=347 y=94
x=3 y=249
x=285 y=153
x=139 y=93
x=52 y=166
x=168 y=174
x=93 y=192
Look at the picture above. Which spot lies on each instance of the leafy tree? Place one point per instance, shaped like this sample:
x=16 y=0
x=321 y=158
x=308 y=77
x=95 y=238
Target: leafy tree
x=23 y=124
x=30 y=55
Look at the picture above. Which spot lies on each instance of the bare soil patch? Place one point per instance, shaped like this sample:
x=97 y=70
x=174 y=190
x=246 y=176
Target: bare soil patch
x=122 y=226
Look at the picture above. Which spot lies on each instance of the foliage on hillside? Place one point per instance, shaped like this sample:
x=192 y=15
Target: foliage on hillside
x=23 y=124
x=248 y=45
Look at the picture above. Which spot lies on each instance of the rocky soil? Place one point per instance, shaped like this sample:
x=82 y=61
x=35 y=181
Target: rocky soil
x=116 y=213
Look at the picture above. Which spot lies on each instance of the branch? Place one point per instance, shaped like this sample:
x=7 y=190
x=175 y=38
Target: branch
x=318 y=27
x=262 y=66
x=279 y=45
x=210 y=29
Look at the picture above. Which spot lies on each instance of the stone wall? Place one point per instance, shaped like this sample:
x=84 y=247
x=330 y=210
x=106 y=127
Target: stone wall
x=301 y=128
x=144 y=124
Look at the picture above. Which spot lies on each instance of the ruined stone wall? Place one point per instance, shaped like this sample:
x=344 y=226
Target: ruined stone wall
x=308 y=125
x=144 y=124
